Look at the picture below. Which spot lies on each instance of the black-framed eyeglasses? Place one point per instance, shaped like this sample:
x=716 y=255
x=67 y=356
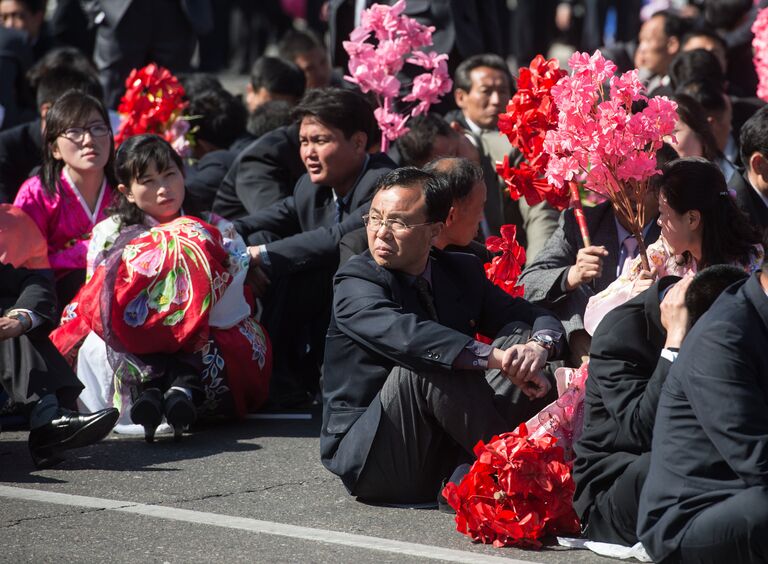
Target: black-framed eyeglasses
x=77 y=134
x=374 y=223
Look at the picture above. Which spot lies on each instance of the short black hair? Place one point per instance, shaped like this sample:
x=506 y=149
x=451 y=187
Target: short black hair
x=674 y=25
x=70 y=57
x=343 y=109
x=460 y=175
x=709 y=94
x=415 y=146
x=278 y=76
x=295 y=43
x=196 y=83
x=725 y=14
x=754 y=136
x=704 y=31
x=61 y=70
x=694 y=66
x=707 y=285
x=269 y=116
x=462 y=77
x=219 y=117
x=437 y=196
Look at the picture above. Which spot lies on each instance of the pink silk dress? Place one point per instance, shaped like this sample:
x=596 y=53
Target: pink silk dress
x=64 y=219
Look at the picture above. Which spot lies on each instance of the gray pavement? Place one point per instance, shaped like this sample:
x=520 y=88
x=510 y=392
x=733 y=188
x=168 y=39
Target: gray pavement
x=238 y=481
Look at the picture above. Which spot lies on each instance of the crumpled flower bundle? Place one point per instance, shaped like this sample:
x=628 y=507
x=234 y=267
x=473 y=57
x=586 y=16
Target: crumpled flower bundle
x=531 y=112
x=760 y=48
x=518 y=491
x=375 y=68
x=154 y=103
x=505 y=269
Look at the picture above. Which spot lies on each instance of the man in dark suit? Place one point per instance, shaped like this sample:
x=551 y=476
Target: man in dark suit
x=404 y=398
x=262 y=174
x=632 y=352
x=15 y=60
x=132 y=33
x=33 y=372
x=295 y=242
x=706 y=495
x=752 y=188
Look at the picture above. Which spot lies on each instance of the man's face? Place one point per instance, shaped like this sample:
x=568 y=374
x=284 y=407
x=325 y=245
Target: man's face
x=487 y=97
x=406 y=250
x=708 y=44
x=15 y=15
x=655 y=50
x=255 y=98
x=331 y=159
x=465 y=217
x=316 y=67
x=720 y=122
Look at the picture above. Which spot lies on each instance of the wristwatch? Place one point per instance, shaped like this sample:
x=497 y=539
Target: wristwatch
x=22 y=317
x=544 y=341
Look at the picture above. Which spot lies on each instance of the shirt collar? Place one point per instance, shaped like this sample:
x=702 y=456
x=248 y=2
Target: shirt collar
x=345 y=200
x=622 y=233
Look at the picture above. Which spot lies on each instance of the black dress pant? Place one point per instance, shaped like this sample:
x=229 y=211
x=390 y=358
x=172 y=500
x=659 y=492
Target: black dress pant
x=431 y=422
x=613 y=515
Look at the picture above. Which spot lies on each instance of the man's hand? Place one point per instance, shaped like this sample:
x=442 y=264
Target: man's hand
x=10 y=328
x=258 y=281
x=643 y=281
x=674 y=314
x=522 y=365
x=255 y=256
x=589 y=265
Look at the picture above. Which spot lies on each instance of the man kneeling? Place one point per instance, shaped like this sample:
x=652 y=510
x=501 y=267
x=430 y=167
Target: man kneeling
x=407 y=391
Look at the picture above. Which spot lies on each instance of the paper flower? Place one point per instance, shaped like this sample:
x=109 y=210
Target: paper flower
x=518 y=491
x=760 y=48
x=505 y=269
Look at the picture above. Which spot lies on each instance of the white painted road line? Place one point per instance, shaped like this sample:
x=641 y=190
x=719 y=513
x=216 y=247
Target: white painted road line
x=257 y=526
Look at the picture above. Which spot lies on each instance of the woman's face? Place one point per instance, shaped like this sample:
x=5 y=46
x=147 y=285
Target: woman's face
x=159 y=194
x=685 y=141
x=85 y=147
x=678 y=231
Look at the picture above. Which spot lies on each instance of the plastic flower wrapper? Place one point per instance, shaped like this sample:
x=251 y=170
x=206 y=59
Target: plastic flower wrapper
x=375 y=67
x=602 y=137
x=518 y=491
x=154 y=103
x=760 y=49
x=505 y=269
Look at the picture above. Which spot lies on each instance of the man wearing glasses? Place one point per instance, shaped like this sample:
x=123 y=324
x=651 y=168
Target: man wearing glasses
x=407 y=390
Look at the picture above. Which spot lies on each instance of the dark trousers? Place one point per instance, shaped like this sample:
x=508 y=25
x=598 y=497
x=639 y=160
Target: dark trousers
x=613 y=516
x=734 y=530
x=431 y=423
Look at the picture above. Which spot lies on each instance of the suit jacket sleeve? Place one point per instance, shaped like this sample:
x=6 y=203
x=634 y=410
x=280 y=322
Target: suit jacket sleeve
x=542 y=277
x=540 y=222
x=29 y=289
x=727 y=394
x=366 y=312
x=280 y=218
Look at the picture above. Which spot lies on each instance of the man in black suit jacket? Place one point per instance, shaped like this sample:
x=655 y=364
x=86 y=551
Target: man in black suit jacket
x=295 y=242
x=262 y=174
x=632 y=352
x=15 y=60
x=706 y=495
x=404 y=398
x=752 y=188
x=33 y=372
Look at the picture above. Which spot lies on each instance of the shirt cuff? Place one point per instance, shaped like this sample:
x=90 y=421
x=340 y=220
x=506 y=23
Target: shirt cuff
x=669 y=354
x=264 y=255
x=473 y=357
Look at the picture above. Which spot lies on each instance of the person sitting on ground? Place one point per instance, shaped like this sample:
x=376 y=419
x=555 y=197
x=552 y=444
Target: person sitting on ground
x=308 y=53
x=181 y=340
x=658 y=43
x=430 y=137
x=692 y=136
x=32 y=371
x=28 y=16
x=631 y=354
x=752 y=187
x=704 y=37
x=74 y=187
x=268 y=117
x=705 y=499
x=701 y=225
x=274 y=79
x=403 y=373
x=295 y=242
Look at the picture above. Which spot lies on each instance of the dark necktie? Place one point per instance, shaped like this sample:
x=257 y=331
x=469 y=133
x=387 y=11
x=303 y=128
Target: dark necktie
x=425 y=297
x=339 y=209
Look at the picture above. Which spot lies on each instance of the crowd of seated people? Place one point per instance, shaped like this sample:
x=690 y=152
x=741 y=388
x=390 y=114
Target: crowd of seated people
x=289 y=263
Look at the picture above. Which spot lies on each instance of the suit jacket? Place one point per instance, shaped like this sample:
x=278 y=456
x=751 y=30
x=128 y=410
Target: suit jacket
x=15 y=58
x=543 y=278
x=198 y=12
x=21 y=150
x=749 y=201
x=378 y=323
x=625 y=378
x=202 y=179
x=709 y=439
x=21 y=288
x=264 y=173
x=301 y=230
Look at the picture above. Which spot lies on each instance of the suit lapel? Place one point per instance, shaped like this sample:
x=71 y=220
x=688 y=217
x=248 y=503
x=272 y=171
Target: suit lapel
x=755 y=294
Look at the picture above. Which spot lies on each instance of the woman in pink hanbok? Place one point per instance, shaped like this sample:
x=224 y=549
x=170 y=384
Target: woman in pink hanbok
x=74 y=187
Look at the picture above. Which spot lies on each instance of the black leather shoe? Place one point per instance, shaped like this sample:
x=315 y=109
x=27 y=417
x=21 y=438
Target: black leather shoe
x=179 y=411
x=147 y=411
x=68 y=430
